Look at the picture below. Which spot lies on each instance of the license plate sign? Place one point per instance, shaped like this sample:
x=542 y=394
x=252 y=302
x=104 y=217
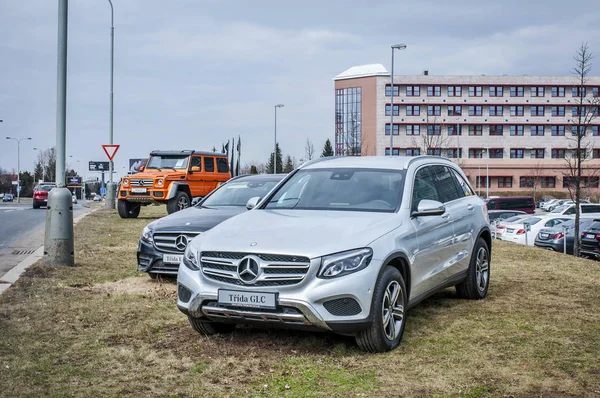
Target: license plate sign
x=172 y=258
x=138 y=190
x=247 y=299
x=590 y=236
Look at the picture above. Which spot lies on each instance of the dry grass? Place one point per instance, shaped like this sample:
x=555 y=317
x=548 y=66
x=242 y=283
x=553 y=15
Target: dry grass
x=104 y=329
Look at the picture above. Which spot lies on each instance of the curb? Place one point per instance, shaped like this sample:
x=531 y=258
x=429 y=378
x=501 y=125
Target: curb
x=13 y=275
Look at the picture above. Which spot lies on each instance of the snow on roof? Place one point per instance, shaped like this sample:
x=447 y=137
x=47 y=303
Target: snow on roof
x=363 y=71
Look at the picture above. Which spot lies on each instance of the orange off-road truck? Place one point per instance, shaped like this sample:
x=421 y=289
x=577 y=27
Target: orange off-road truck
x=174 y=178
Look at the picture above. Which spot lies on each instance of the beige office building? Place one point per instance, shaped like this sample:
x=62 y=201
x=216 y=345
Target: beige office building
x=518 y=128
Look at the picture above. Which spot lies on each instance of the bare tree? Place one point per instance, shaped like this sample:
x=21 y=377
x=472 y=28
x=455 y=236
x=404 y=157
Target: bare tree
x=352 y=142
x=431 y=138
x=579 y=144
x=309 y=150
x=534 y=181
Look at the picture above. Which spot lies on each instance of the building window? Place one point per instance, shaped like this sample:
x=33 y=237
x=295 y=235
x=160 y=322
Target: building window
x=578 y=91
x=454 y=110
x=388 y=90
x=517 y=153
x=504 y=182
x=396 y=110
x=582 y=153
x=413 y=152
x=526 y=182
x=434 y=151
x=476 y=129
x=475 y=110
x=475 y=91
x=516 y=91
x=497 y=129
x=577 y=111
x=395 y=151
x=558 y=130
x=434 y=129
x=537 y=111
x=434 y=110
x=558 y=111
x=558 y=91
x=590 y=182
x=496 y=91
x=496 y=110
x=516 y=130
x=517 y=110
x=481 y=182
x=454 y=91
x=434 y=91
x=537 y=130
x=595 y=91
x=568 y=181
x=455 y=153
x=581 y=130
x=595 y=130
x=396 y=129
x=548 y=182
x=594 y=111
x=475 y=153
x=413 y=129
x=454 y=129
x=596 y=153
x=558 y=153
x=496 y=153
x=413 y=110
x=413 y=91
x=537 y=91
x=348 y=121
x=537 y=153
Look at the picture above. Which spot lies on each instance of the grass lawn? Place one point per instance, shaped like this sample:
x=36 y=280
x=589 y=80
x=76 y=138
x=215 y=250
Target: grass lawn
x=102 y=329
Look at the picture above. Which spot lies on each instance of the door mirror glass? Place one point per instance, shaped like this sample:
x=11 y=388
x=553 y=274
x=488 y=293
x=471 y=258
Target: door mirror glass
x=252 y=202
x=196 y=200
x=195 y=168
x=428 y=207
x=142 y=168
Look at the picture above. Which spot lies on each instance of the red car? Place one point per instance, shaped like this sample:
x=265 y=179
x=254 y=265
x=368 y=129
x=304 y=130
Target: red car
x=40 y=194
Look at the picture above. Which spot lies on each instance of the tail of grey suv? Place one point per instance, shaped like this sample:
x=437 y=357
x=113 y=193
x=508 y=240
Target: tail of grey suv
x=346 y=245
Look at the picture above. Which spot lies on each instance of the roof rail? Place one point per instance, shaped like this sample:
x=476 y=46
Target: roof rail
x=414 y=159
x=317 y=160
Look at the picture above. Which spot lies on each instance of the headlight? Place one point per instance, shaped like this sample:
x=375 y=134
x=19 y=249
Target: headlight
x=190 y=258
x=160 y=182
x=345 y=263
x=147 y=234
x=125 y=182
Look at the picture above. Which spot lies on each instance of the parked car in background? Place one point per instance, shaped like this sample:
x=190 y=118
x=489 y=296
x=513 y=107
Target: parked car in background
x=554 y=238
x=500 y=226
x=547 y=204
x=517 y=232
x=40 y=194
x=525 y=204
x=497 y=216
x=164 y=241
x=590 y=240
x=74 y=199
x=344 y=244
x=9 y=197
x=586 y=210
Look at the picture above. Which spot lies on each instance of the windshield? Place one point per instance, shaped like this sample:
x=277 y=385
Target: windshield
x=348 y=189
x=513 y=219
x=237 y=193
x=167 y=162
x=560 y=209
x=530 y=220
x=45 y=187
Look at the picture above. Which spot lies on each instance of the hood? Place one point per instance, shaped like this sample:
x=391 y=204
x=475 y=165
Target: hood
x=153 y=173
x=196 y=219
x=297 y=232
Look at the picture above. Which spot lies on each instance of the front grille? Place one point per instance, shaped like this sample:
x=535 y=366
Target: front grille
x=166 y=241
x=141 y=182
x=342 y=307
x=274 y=269
x=139 y=193
x=283 y=315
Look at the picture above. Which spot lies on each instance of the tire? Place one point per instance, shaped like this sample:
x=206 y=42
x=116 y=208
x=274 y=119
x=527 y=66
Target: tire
x=382 y=337
x=477 y=282
x=180 y=201
x=208 y=328
x=127 y=209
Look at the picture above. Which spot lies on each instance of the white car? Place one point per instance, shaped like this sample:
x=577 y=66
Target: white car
x=517 y=232
x=587 y=210
x=546 y=205
x=501 y=226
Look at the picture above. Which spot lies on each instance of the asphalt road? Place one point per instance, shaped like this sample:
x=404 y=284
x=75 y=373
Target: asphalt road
x=22 y=231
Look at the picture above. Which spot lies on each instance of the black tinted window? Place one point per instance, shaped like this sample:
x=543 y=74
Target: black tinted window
x=590 y=208
x=222 y=166
x=448 y=187
x=463 y=184
x=195 y=161
x=209 y=165
x=516 y=203
x=491 y=205
x=424 y=187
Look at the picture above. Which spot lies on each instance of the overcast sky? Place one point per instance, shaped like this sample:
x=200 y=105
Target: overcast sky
x=190 y=74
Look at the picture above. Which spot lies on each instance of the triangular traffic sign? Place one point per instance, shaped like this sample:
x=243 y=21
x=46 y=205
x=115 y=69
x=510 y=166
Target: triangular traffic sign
x=110 y=150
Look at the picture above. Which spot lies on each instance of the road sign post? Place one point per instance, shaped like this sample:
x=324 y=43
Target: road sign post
x=111 y=151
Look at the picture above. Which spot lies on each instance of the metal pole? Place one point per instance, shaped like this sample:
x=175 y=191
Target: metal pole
x=487 y=173
x=111 y=188
x=275 y=145
x=18 y=171
x=392 y=106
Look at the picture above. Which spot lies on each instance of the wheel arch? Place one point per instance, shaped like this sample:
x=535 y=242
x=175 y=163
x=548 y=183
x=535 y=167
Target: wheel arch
x=177 y=187
x=486 y=234
x=399 y=260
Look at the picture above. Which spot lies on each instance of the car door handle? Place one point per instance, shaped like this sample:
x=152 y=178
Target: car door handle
x=470 y=207
x=445 y=215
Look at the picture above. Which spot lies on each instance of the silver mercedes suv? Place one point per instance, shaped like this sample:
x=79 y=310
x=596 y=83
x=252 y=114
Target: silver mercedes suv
x=346 y=245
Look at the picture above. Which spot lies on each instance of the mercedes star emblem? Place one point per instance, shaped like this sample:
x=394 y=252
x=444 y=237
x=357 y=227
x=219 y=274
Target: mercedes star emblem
x=248 y=270
x=181 y=242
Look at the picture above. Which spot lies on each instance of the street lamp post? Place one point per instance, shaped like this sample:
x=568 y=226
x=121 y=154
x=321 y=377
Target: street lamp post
x=18 y=164
x=111 y=187
x=275 y=145
x=34 y=173
x=394 y=47
x=487 y=172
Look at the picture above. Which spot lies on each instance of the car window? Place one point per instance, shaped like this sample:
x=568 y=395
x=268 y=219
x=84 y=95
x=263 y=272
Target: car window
x=195 y=161
x=209 y=164
x=570 y=210
x=424 y=187
x=590 y=208
x=463 y=184
x=491 y=204
x=559 y=209
x=222 y=166
x=447 y=185
x=530 y=220
x=238 y=192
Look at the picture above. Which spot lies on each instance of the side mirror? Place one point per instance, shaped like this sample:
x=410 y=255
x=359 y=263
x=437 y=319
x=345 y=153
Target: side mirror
x=142 y=168
x=428 y=207
x=195 y=168
x=252 y=202
x=196 y=200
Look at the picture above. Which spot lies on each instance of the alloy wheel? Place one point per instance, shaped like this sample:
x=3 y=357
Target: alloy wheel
x=482 y=267
x=392 y=310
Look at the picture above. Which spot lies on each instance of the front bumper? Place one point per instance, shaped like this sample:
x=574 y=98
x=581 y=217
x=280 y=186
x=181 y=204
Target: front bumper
x=298 y=306
x=150 y=259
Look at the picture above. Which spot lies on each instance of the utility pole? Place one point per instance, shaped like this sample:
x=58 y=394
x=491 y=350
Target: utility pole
x=58 y=240
x=394 y=47
x=18 y=164
x=110 y=203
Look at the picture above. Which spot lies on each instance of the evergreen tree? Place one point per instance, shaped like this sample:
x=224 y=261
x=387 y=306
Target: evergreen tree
x=289 y=165
x=269 y=167
x=327 y=149
x=253 y=170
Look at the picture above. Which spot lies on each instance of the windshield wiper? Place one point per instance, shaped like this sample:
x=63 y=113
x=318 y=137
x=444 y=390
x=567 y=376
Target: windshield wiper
x=283 y=200
x=155 y=168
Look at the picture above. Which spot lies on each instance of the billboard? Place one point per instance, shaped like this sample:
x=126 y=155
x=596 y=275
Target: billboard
x=135 y=164
x=73 y=181
x=99 y=166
